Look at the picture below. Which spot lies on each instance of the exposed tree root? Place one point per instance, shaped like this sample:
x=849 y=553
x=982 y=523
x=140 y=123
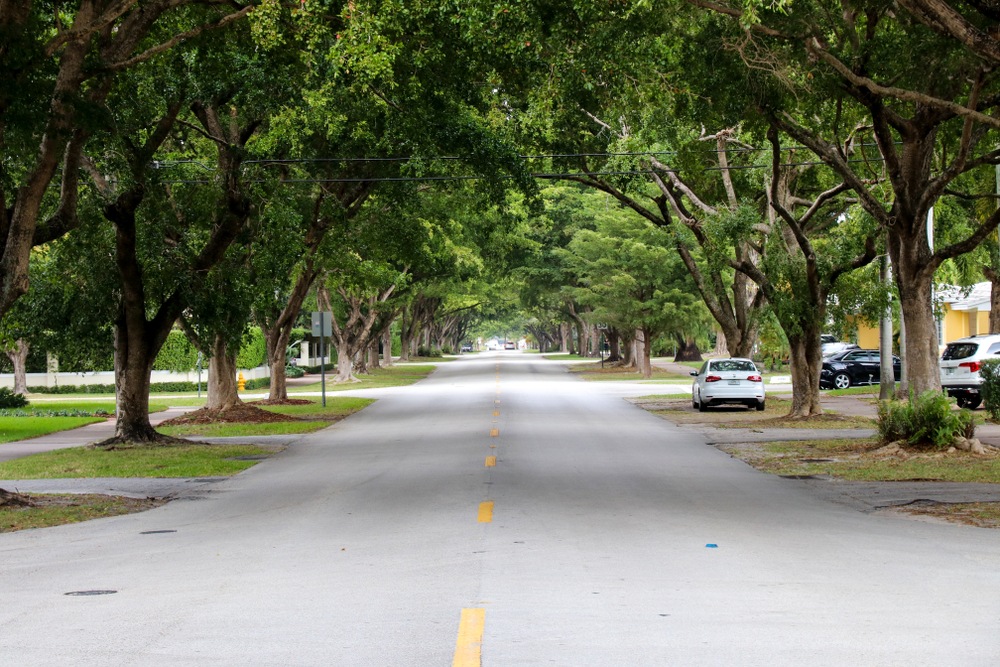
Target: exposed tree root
x=124 y=442
x=12 y=499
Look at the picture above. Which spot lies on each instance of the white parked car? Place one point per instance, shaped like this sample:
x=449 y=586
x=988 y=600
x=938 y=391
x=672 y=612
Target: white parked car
x=960 y=363
x=727 y=382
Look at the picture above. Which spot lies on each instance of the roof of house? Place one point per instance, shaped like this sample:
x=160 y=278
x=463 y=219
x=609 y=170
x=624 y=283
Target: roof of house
x=976 y=297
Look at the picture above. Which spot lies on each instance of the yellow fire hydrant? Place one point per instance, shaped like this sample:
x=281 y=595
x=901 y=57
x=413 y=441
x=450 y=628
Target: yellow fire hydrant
x=243 y=383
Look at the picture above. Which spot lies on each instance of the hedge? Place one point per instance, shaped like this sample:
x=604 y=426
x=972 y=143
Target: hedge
x=258 y=383
x=177 y=354
x=254 y=350
x=154 y=387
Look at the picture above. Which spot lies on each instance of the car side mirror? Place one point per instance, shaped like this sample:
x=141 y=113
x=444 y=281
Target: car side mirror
x=694 y=374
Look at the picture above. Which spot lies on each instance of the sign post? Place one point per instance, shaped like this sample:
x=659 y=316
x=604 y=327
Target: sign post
x=602 y=327
x=321 y=323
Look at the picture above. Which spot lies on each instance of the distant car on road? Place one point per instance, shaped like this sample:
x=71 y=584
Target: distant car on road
x=509 y=345
x=960 y=364
x=727 y=382
x=467 y=347
x=858 y=366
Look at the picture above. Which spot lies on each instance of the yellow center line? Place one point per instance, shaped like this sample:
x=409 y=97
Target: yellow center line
x=468 y=648
x=497 y=400
x=485 y=511
x=494 y=431
x=491 y=461
x=496 y=413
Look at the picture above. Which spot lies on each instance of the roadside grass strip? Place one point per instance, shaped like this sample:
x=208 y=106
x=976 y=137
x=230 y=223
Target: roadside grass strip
x=865 y=390
x=594 y=372
x=981 y=515
x=179 y=461
x=63 y=508
x=679 y=411
x=231 y=430
x=337 y=407
x=396 y=376
x=22 y=428
x=566 y=357
x=856 y=460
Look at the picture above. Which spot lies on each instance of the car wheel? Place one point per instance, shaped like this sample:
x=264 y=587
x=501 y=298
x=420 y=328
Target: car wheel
x=760 y=406
x=961 y=401
x=841 y=381
x=973 y=403
x=701 y=405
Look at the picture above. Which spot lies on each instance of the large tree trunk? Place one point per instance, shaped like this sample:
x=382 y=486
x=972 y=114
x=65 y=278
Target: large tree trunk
x=806 y=362
x=404 y=337
x=923 y=371
x=387 y=347
x=614 y=345
x=563 y=342
x=345 y=366
x=647 y=345
x=361 y=361
x=276 y=339
x=687 y=349
x=595 y=341
x=133 y=364
x=373 y=354
x=18 y=356
x=223 y=388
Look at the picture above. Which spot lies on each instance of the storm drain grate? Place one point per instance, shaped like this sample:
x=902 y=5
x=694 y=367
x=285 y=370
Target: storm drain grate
x=82 y=593
x=156 y=532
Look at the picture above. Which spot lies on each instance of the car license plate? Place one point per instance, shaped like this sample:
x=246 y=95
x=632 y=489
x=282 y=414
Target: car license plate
x=734 y=382
x=950 y=371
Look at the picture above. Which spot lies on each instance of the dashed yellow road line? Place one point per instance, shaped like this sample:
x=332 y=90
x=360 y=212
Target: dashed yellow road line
x=491 y=462
x=494 y=431
x=496 y=413
x=485 y=512
x=497 y=400
x=468 y=648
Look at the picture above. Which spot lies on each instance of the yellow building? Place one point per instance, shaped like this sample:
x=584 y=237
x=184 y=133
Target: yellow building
x=966 y=313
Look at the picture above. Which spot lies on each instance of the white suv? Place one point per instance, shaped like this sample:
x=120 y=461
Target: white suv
x=960 y=364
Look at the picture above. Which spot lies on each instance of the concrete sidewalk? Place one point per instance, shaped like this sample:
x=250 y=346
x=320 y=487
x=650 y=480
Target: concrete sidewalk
x=78 y=437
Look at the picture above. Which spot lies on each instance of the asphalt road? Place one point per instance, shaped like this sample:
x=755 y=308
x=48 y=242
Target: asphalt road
x=363 y=544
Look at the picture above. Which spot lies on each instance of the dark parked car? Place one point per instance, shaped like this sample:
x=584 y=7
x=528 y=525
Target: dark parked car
x=849 y=367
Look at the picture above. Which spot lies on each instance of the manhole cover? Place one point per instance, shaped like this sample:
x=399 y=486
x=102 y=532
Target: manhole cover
x=255 y=457
x=80 y=593
x=156 y=532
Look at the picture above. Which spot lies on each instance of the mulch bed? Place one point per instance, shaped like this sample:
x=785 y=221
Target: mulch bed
x=242 y=413
x=277 y=401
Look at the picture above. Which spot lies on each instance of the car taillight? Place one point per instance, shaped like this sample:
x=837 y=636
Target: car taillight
x=712 y=378
x=973 y=366
x=754 y=378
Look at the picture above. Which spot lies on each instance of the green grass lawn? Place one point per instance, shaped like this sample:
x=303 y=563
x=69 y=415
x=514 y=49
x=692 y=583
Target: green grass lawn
x=21 y=428
x=849 y=460
x=337 y=406
x=567 y=357
x=224 y=430
x=96 y=404
x=855 y=391
x=182 y=461
x=62 y=508
x=397 y=376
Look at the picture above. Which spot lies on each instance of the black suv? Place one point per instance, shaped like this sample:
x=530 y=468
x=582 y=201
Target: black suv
x=843 y=369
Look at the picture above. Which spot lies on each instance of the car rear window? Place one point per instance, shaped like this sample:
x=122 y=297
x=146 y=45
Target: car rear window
x=994 y=349
x=733 y=365
x=959 y=351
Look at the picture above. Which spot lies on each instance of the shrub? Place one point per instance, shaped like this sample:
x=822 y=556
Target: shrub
x=314 y=370
x=990 y=389
x=294 y=372
x=929 y=418
x=258 y=383
x=253 y=352
x=446 y=349
x=8 y=399
x=422 y=351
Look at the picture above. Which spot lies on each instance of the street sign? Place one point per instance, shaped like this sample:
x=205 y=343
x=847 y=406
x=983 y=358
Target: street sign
x=601 y=326
x=322 y=327
x=324 y=320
